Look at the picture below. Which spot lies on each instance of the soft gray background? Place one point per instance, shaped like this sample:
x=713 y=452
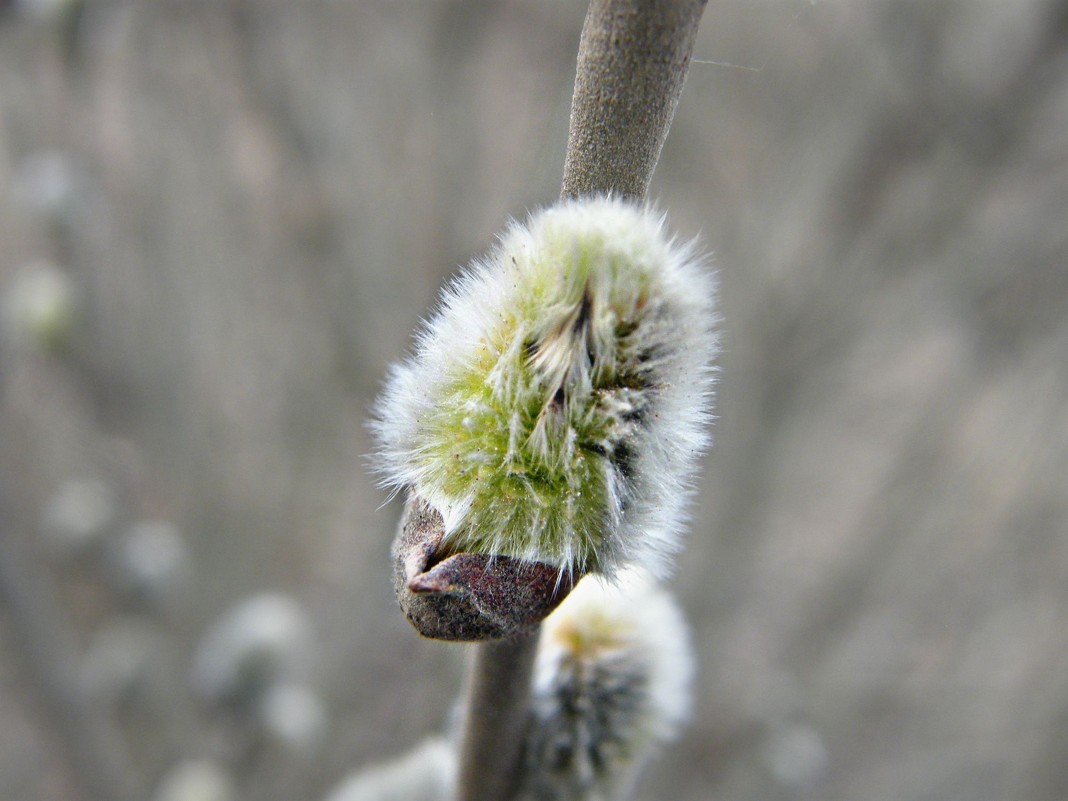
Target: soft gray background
x=267 y=195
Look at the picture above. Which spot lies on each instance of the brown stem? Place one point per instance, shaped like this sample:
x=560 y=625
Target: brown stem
x=497 y=697
x=632 y=63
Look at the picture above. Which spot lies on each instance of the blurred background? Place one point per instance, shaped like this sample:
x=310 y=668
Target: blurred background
x=220 y=220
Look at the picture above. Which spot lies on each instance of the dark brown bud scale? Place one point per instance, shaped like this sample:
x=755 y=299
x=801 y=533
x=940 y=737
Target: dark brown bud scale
x=468 y=596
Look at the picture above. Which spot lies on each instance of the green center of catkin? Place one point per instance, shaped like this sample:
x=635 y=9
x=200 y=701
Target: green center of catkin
x=529 y=448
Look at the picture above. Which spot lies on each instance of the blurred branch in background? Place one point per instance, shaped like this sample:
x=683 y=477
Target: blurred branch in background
x=250 y=204
x=50 y=656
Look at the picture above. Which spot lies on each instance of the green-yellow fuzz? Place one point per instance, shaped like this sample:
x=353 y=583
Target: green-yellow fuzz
x=528 y=460
x=533 y=411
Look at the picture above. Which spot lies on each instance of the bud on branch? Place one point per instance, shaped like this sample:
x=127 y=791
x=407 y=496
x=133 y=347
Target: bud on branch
x=551 y=418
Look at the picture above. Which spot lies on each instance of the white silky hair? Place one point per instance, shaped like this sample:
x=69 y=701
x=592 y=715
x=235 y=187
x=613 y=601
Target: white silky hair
x=427 y=773
x=612 y=684
x=524 y=292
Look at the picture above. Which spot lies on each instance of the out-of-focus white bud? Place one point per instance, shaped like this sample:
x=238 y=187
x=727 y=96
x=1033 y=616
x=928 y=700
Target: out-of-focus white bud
x=78 y=516
x=48 y=182
x=293 y=716
x=427 y=773
x=796 y=755
x=612 y=684
x=196 y=780
x=262 y=641
x=152 y=564
x=40 y=307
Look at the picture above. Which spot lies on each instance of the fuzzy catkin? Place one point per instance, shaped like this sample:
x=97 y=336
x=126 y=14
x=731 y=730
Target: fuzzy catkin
x=557 y=403
x=612 y=685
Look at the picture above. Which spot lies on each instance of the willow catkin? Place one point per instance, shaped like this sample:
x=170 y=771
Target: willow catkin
x=557 y=403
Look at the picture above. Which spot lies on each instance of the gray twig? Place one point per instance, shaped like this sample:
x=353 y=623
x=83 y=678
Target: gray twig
x=497 y=696
x=632 y=63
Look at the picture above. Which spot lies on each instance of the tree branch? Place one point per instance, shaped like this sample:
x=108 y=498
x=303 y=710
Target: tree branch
x=497 y=709
x=632 y=63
